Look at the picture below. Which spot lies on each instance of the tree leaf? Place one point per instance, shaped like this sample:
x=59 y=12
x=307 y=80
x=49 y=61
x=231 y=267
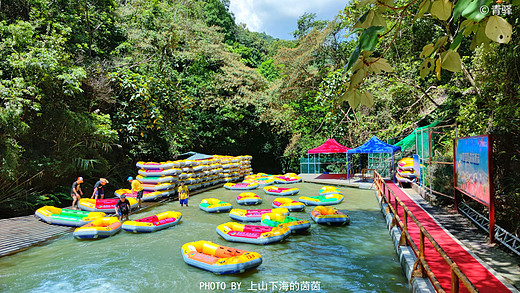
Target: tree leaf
x=467 y=27
x=457 y=40
x=423 y=8
x=359 y=63
x=426 y=67
x=473 y=10
x=459 y=7
x=380 y=65
x=363 y=3
x=441 y=42
x=365 y=20
x=368 y=38
x=451 y=61
x=498 y=29
x=367 y=99
x=355 y=99
x=346 y=96
x=353 y=58
x=479 y=38
x=441 y=9
x=438 y=68
x=427 y=50
x=379 y=20
x=358 y=76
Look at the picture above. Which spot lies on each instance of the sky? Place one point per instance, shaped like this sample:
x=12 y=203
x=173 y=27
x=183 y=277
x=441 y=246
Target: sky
x=278 y=18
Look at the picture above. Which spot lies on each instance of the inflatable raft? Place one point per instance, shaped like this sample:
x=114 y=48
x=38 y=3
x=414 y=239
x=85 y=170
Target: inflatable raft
x=158 y=186
x=323 y=200
x=159 y=172
x=254 y=215
x=241 y=186
x=290 y=204
x=147 y=195
x=156 y=179
x=214 y=205
x=236 y=232
x=219 y=259
x=248 y=198
x=155 y=165
x=153 y=223
x=262 y=181
x=329 y=190
x=103 y=205
x=276 y=220
x=405 y=163
x=280 y=191
x=402 y=179
x=66 y=217
x=287 y=179
x=99 y=228
x=329 y=216
x=406 y=173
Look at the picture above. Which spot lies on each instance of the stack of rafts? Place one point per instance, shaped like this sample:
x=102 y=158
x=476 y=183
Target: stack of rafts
x=158 y=179
x=161 y=179
x=405 y=171
x=234 y=168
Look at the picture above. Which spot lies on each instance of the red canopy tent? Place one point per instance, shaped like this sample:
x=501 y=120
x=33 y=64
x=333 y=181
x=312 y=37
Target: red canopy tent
x=331 y=146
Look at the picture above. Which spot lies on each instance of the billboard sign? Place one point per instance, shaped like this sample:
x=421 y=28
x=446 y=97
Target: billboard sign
x=473 y=167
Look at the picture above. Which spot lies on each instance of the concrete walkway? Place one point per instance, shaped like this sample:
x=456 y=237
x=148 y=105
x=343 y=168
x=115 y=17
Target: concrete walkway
x=505 y=264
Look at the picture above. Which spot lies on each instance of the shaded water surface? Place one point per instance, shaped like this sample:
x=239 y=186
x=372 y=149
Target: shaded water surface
x=354 y=258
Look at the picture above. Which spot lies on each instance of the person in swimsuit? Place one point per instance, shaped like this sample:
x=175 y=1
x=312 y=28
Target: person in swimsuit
x=99 y=189
x=76 y=192
x=184 y=194
x=123 y=208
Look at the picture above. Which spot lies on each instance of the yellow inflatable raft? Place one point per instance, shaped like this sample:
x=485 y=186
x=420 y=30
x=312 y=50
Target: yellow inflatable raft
x=214 y=205
x=254 y=215
x=329 y=190
x=219 y=259
x=329 y=216
x=290 y=204
x=66 y=217
x=237 y=232
x=99 y=228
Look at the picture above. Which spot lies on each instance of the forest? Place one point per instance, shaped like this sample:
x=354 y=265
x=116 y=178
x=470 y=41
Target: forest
x=90 y=87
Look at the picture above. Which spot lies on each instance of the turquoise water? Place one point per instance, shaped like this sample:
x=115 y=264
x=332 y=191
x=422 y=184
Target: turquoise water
x=355 y=258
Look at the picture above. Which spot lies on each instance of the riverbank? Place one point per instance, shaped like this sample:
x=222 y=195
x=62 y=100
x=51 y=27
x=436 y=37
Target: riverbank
x=504 y=264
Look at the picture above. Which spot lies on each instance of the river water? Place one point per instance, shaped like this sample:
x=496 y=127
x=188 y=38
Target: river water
x=355 y=258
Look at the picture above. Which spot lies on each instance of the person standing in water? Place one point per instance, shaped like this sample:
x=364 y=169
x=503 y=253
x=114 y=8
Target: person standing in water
x=76 y=192
x=99 y=189
x=138 y=188
x=184 y=194
x=123 y=208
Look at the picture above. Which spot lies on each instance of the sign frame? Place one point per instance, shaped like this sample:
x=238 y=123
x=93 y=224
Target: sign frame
x=459 y=192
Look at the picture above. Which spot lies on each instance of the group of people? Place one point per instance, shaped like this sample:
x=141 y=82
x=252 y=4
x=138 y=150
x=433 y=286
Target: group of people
x=76 y=193
x=122 y=207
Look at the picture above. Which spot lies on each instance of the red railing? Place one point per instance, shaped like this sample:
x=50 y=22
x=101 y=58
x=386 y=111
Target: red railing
x=421 y=267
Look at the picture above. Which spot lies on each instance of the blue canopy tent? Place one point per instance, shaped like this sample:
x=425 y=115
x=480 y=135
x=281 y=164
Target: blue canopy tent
x=375 y=146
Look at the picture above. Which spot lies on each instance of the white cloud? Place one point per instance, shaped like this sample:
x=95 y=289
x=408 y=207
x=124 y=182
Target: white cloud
x=279 y=17
x=245 y=13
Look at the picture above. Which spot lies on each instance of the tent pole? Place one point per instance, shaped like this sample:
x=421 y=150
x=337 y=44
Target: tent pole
x=348 y=173
x=393 y=168
x=308 y=163
x=319 y=164
x=314 y=156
